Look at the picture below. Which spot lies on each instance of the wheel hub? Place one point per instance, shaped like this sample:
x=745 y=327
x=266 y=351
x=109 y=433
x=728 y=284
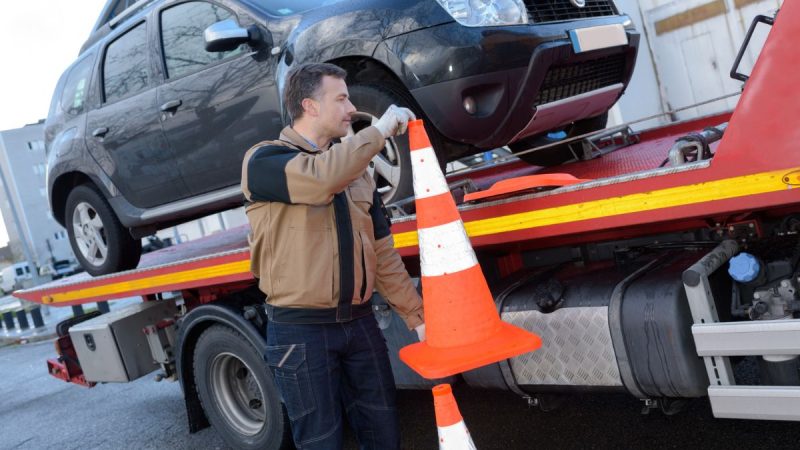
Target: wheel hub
x=90 y=234
x=237 y=393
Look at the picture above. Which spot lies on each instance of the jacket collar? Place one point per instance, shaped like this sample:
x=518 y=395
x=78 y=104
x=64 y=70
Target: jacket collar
x=293 y=137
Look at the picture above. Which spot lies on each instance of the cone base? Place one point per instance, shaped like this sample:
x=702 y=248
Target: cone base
x=432 y=362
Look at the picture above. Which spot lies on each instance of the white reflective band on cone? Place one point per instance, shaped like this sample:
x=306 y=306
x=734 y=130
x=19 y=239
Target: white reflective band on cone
x=455 y=437
x=428 y=177
x=445 y=249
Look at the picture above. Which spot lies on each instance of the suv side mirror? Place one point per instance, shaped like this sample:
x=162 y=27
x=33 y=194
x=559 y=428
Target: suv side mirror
x=227 y=35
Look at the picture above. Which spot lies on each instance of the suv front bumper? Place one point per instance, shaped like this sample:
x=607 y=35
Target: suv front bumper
x=511 y=74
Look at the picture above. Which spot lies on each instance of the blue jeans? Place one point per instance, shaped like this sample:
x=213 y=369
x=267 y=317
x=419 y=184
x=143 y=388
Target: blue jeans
x=323 y=370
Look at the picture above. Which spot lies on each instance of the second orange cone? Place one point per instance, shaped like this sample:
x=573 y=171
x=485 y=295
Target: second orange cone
x=462 y=325
x=450 y=426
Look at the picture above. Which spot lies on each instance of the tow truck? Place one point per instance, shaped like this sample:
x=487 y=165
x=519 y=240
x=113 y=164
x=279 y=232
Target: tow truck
x=652 y=265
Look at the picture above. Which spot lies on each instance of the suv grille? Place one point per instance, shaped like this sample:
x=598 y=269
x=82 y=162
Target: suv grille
x=574 y=79
x=541 y=11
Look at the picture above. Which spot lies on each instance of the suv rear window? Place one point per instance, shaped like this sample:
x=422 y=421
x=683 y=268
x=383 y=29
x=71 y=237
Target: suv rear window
x=182 y=28
x=75 y=88
x=125 y=68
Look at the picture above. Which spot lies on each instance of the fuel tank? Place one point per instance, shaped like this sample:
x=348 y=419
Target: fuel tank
x=608 y=327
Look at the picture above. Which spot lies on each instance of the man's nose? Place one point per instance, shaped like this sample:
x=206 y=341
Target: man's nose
x=350 y=108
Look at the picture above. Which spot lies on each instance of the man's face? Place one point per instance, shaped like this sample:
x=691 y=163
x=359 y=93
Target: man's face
x=333 y=107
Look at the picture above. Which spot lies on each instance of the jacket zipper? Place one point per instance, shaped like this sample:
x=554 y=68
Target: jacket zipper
x=347 y=265
x=363 y=269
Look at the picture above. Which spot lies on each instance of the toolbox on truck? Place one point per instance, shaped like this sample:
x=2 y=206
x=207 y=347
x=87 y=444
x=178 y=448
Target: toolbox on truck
x=113 y=348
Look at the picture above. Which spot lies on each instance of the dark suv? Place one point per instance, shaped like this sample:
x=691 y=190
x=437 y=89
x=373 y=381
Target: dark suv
x=148 y=127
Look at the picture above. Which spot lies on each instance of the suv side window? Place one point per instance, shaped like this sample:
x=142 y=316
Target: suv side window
x=73 y=97
x=125 y=67
x=182 y=28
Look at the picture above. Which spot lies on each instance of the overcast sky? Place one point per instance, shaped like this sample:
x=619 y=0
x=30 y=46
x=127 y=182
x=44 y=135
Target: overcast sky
x=38 y=40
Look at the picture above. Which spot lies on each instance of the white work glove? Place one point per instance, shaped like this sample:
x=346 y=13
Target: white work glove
x=394 y=121
x=420 y=329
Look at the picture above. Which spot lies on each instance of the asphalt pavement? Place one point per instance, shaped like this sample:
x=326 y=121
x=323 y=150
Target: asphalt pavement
x=41 y=412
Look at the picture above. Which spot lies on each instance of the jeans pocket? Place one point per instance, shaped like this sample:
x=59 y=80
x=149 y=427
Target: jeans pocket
x=290 y=370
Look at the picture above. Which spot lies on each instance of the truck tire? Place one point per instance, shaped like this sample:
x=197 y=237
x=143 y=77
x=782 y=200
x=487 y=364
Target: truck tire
x=237 y=391
x=99 y=241
x=560 y=153
x=392 y=167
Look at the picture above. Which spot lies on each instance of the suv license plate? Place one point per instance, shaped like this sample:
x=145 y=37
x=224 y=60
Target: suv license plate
x=595 y=38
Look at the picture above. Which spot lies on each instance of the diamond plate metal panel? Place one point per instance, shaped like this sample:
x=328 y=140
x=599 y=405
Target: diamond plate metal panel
x=576 y=348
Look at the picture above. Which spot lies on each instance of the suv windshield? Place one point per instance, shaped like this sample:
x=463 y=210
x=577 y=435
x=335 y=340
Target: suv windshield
x=288 y=7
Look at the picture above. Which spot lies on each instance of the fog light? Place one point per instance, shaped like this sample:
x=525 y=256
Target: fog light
x=469 y=105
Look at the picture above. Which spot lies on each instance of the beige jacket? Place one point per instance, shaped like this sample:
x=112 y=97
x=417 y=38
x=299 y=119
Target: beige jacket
x=320 y=241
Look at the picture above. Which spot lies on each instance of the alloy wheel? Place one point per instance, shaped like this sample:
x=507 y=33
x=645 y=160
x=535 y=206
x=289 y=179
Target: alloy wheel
x=90 y=234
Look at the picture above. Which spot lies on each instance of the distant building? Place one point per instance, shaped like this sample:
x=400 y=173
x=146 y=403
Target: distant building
x=6 y=256
x=23 y=163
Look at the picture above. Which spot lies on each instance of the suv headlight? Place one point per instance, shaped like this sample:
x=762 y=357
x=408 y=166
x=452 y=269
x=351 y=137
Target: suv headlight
x=486 y=13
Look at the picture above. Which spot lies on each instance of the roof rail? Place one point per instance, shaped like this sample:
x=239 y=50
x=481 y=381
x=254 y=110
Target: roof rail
x=128 y=12
x=102 y=27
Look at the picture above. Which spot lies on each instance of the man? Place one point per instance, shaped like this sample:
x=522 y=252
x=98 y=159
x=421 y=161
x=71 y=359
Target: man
x=320 y=242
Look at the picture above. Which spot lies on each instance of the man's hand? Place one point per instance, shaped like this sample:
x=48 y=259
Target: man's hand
x=394 y=121
x=420 y=329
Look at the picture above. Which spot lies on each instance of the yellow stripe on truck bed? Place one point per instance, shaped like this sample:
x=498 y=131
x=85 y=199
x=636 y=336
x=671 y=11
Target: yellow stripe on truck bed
x=726 y=188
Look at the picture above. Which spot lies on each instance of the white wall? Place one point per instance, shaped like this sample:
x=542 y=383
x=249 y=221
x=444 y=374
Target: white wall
x=642 y=98
x=690 y=64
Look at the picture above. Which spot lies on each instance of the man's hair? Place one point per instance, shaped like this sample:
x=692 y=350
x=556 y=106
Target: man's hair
x=303 y=82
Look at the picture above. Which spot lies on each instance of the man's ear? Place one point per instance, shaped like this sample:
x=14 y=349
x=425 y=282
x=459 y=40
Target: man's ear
x=310 y=107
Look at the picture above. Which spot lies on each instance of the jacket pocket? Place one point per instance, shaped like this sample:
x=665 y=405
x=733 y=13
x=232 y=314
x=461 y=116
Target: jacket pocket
x=290 y=370
x=361 y=194
x=304 y=268
x=361 y=199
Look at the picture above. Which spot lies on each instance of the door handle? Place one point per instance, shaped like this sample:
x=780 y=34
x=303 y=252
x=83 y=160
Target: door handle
x=100 y=132
x=171 y=105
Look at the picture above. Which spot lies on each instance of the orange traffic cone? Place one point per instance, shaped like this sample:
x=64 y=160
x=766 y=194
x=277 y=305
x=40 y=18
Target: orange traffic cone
x=453 y=433
x=463 y=329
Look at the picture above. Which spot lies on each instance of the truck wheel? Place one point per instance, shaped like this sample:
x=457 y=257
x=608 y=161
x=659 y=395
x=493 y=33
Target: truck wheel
x=391 y=168
x=237 y=391
x=98 y=239
x=557 y=154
